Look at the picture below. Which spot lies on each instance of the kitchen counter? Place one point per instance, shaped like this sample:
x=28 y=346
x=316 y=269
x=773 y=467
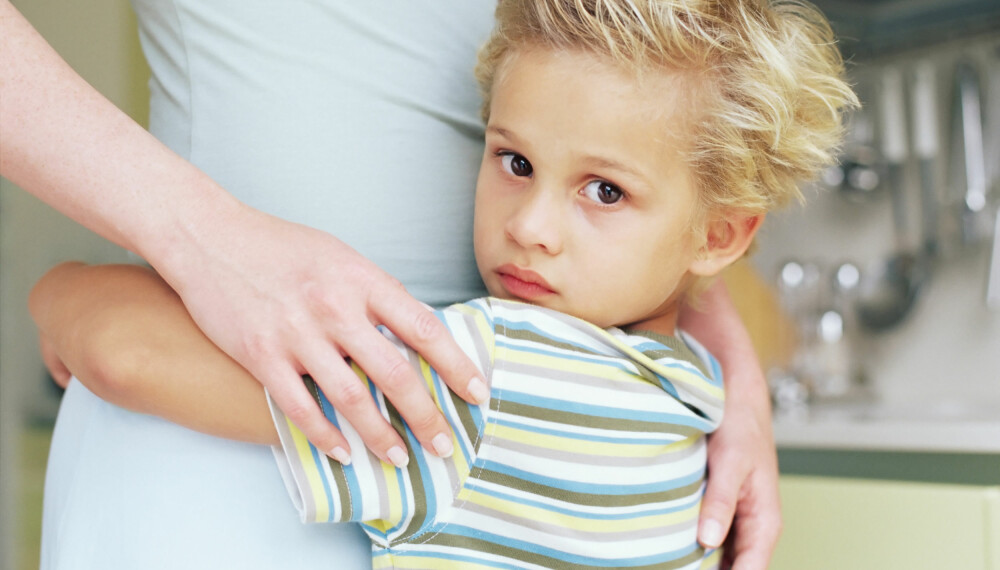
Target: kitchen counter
x=945 y=426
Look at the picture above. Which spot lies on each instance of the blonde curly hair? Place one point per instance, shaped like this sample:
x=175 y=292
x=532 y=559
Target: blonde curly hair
x=768 y=79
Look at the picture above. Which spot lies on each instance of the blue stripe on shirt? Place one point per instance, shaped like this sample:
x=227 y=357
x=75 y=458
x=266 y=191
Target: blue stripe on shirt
x=643 y=438
x=592 y=488
x=581 y=408
x=631 y=514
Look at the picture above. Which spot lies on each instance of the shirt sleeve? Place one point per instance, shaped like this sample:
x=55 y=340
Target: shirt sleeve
x=384 y=498
x=684 y=369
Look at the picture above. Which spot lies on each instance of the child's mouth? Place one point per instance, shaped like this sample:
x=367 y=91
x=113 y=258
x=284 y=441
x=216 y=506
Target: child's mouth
x=523 y=283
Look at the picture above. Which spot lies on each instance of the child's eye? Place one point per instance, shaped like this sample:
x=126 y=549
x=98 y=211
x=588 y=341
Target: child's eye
x=603 y=192
x=516 y=164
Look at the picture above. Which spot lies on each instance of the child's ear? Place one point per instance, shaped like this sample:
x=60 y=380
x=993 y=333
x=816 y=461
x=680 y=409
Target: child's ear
x=726 y=240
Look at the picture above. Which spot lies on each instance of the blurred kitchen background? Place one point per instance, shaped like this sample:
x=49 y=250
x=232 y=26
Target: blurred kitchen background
x=875 y=308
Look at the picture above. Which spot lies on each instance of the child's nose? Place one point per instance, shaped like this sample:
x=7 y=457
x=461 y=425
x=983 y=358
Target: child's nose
x=535 y=222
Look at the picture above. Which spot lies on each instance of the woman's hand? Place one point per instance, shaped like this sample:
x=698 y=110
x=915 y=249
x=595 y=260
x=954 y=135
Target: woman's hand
x=743 y=478
x=742 y=460
x=286 y=300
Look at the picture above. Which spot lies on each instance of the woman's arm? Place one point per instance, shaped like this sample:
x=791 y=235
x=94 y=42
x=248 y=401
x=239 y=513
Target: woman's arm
x=126 y=335
x=742 y=460
x=250 y=281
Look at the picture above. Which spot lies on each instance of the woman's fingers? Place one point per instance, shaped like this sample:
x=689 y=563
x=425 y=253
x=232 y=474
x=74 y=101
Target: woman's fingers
x=722 y=492
x=754 y=537
x=290 y=394
x=353 y=399
x=420 y=329
x=356 y=338
x=402 y=385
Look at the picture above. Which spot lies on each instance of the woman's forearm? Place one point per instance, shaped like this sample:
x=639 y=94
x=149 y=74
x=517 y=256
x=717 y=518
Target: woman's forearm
x=717 y=325
x=126 y=335
x=68 y=145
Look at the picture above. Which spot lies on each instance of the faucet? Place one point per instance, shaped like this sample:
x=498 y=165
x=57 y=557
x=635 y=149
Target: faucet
x=993 y=282
x=975 y=207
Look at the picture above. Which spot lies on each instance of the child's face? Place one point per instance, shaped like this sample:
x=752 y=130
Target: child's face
x=584 y=203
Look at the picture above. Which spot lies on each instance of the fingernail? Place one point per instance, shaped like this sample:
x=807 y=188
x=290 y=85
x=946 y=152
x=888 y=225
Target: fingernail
x=341 y=455
x=442 y=445
x=710 y=534
x=479 y=391
x=398 y=456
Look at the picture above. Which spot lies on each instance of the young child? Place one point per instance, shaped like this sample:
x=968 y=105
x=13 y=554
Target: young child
x=632 y=149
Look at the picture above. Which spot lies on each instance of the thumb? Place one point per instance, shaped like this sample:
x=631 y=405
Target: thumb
x=718 y=506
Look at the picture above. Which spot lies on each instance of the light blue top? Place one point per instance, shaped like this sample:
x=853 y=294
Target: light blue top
x=358 y=118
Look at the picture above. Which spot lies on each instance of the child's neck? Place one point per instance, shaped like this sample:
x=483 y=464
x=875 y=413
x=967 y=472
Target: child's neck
x=665 y=323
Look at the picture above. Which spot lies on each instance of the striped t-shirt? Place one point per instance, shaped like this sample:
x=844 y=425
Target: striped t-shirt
x=589 y=453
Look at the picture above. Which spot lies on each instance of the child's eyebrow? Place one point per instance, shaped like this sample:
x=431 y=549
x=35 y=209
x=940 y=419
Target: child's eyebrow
x=602 y=162
x=607 y=163
x=501 y=131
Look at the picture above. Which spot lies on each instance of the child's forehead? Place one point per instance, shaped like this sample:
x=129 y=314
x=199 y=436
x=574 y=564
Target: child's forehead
x=654 y=92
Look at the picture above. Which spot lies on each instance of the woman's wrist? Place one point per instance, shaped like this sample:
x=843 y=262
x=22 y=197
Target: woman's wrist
x=181 y=243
